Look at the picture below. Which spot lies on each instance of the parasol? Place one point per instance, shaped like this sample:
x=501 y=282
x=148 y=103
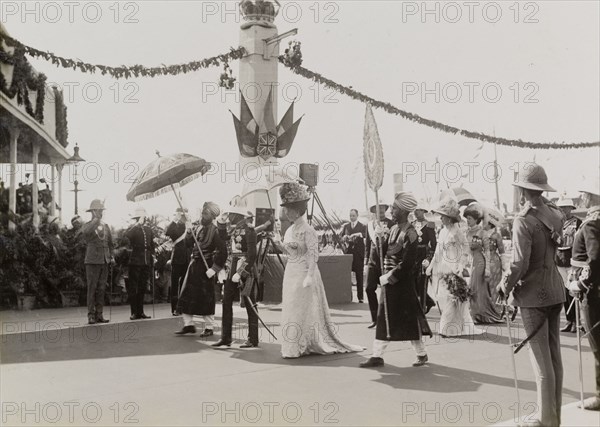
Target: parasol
x=166 y=174
x=269 y=178
x=463 y=197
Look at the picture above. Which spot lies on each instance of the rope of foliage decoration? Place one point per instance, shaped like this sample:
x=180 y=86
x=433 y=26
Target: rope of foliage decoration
x=292 y=59
x=122 y=71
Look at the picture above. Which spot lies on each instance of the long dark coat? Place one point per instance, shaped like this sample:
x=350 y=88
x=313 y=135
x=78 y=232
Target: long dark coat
x=198 y=291
x=406 y=317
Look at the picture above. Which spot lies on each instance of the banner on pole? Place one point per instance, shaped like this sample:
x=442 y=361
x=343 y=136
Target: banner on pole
x=372 y=152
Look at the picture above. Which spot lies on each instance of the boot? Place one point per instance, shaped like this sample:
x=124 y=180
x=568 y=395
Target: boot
x=373 y=362
x=101 y=319
x=222 y=343
x=191 y=329
x=248 y=344
x=206 y=333
x=421 y=360
x=91 y=319
x=372 y=325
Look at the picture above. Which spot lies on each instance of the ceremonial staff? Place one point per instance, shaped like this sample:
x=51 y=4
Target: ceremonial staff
x=373 y=158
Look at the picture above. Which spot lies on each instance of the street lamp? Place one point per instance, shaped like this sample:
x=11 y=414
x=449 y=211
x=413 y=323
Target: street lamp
x=75 y=159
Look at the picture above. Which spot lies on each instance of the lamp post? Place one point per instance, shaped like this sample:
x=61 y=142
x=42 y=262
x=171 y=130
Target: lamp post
x=75 y=159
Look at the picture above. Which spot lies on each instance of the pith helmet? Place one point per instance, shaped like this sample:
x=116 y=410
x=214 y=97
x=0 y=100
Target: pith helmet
x=533 y=177
x=96 y=205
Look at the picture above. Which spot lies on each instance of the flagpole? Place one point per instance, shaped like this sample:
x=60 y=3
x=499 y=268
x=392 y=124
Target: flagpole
x=366 y=196
x=496 y=173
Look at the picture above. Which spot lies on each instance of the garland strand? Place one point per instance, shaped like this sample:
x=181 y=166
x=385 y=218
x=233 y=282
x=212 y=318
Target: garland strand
x=122 y=71
x=354 y=94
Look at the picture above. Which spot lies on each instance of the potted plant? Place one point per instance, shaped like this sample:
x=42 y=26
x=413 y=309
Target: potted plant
x=70 y=286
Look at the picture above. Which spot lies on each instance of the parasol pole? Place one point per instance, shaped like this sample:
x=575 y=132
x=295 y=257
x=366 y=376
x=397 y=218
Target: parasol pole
x=383 y=287
x=193 y=234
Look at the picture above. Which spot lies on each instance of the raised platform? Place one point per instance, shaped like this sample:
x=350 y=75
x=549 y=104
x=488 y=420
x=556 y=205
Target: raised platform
x=336 y=271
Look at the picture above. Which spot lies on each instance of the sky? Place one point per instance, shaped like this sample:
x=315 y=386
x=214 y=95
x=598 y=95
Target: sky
x=538 y=62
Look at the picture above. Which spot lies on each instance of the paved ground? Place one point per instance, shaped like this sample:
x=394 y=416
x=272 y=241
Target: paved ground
x=58 y=371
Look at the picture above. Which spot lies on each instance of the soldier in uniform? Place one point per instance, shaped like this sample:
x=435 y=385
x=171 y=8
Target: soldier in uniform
x=98 y=258
x=405 y=316
x=243 y=270
x=563 y=256
x=140 y=239
x=372 y=258
x=586 y=263
x=537 y=287
x=425 y=250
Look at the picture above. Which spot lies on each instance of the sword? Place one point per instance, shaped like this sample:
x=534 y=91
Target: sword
x=253 y=307
x=578 y=322
x=504 y=303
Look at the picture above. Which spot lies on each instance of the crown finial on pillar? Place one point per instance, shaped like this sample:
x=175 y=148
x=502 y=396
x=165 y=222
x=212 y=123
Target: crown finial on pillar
x=259 y=12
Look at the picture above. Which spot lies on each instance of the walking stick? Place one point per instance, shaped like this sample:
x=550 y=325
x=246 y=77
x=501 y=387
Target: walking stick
x=512 y=355
x=110 y=272
x=578 y=324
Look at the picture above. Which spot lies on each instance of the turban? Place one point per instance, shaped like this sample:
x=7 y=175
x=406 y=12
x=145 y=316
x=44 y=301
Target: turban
x=406 y=201
x=212 y=208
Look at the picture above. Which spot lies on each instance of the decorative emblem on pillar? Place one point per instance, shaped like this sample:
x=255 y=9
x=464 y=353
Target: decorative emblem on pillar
x=267 y=145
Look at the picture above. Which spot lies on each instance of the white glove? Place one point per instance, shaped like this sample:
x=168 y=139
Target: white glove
x=236 y=278
x=168 y=263
x=425 y=263
x=385 y=279
x=574 y=286
x=307 y=282
x=429 y=270
x=379 y=231
x=210 y=273
x=141 y=220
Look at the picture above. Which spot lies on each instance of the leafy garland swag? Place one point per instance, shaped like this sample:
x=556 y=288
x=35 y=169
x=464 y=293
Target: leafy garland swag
x=292 y=58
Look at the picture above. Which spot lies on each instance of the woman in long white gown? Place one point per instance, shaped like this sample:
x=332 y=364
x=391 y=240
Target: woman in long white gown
x=451 y=256
x=306 y=323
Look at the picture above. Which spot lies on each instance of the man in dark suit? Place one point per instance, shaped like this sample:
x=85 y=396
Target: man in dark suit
x=353 y=234
x=98 y=258
x=180 y=255
x=141 y=240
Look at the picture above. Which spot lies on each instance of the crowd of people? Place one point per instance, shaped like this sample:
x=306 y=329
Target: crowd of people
x=460 y=267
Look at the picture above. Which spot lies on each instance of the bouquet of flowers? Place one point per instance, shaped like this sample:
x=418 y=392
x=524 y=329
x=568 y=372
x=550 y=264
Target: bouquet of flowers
x=457 y=286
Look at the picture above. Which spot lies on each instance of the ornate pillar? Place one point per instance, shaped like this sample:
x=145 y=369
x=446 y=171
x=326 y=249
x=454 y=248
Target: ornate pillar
x=257 y=77
x=34 y=185
x=12 y=191
x=59 y=169
x=53 y=189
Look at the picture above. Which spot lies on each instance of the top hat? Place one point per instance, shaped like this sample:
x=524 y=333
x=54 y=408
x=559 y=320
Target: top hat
x=292 y=192
x=96 y=205
x=533 y=177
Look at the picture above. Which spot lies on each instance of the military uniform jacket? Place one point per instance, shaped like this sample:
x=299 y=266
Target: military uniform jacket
x=141 y=240
x=372 y=250
x=586 y=254
x=426 y=240
x=99 y=242
x=534 y=277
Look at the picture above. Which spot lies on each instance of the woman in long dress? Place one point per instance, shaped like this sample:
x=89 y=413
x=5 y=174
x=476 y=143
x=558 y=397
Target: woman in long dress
x=495 y=248
x=483 y=304
x=306 y=323
x=451 y=256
